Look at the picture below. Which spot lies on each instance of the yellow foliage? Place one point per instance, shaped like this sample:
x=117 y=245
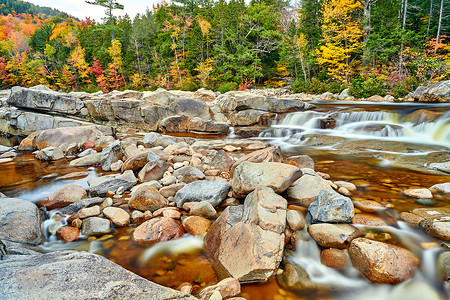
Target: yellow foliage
x=115 y=51
x=205 y=26
x=137 y=80
x=273 y=83
x=204 y=70
x=77 y=59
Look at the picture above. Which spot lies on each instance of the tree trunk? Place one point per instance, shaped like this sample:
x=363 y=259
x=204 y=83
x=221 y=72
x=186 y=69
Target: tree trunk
x=429 y=18
x=405 y=6
x=367 y=5
x=439 y=26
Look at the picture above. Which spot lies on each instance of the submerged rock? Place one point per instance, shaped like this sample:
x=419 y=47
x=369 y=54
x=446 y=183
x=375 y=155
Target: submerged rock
x=382 y=263
x=159 y=229
x=75 y=275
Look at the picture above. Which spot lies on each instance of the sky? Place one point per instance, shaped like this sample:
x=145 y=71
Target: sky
x=81 y=9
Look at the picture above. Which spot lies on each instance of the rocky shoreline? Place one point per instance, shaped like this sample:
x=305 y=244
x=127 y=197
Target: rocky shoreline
x=248 y=201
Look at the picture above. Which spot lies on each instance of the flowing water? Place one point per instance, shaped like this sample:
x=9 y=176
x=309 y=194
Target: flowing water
x=358 y=143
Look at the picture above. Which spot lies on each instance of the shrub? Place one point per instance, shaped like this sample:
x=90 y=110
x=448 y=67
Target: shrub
x=227 y=86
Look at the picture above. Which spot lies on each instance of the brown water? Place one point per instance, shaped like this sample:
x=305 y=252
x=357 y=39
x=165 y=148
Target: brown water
x=174 y=263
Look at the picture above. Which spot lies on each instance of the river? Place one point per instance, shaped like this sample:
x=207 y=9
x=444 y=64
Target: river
x=381 y=148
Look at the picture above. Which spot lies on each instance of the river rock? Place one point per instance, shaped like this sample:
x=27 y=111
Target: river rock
x=204 y=209
x=65 y=196
x=247 y=176
x=147 y=198
x=154 y=139
x=333 y=235
x=76 y=206
x=88 y=160
x=295 y=220
x=66 y=135
x=50 y=154
x=269 y=154
x=37 y=98
x=301 y=161
x=442 y=188
x=228 y=287
x=334 y=258
x=101 y=185
x=20 y=222
x=110 y=155
x=189 y=174
x=418 y=193
x=369 y=219
x=439 y=227
x=347 y=185
x=382 y=263
x=296 y=279
x=135 y=162
x=307 y=188
x=222 y=161
x=247 y=242
x=160 y=229
x=76 y=275
x=118 y=216
x=331 y=207
x=437 y=92
x=196 y=225
x=444 y=166
x=213 y=192
x=67 y=233
x=95 y=226
x=154 y=169
x=89 y=212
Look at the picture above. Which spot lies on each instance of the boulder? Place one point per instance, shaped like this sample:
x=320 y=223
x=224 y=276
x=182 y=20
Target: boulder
x=67 y=233
x=118 y=216
x=20 y=222
x=66 y=135
x=110 y=155
x=438 y=92
x=306 y=189
x=50 y=154
x=333 y=235
x=159 y=229
x=205 y=95
x=442 y=188
x=439 y=227
x=247 y=242
x=101 y=185
x=270 y=154
x=89 y=212
x=382 y=263
x=45 y=100
x=189 y=174
x=95 y=226
x=301 y=161
x=222 y=161
x=154 y=139
x=76 y=206
x=204 y=209
x=196 y=225
x=247 y=176
x=154 y=169
x=213 y=192
x=88 y=160
x=331 y=207
x=135 y=162
x=228 y=287
x=295 y=220
x=76 y=275
x=443 y=167
x=147 y=198
x=65 y=196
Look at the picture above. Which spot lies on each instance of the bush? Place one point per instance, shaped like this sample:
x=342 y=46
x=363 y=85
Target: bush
x=368 y=85
x=317 y=87
x=227 y=86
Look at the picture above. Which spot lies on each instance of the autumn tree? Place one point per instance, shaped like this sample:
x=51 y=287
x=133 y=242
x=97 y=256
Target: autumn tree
x=341 y=37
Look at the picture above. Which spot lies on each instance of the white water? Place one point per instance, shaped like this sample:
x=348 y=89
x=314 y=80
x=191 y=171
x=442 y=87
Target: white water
x=356 y=124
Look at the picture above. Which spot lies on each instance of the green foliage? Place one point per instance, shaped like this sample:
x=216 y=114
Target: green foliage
x=317 y=86
x=227 y=86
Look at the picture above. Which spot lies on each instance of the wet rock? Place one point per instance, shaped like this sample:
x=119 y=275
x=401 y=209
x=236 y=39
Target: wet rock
x=418 y=193
x=442 y=188
x=295 y=220
x=154 y=139
x=20 y=221
x=73 y=175
x=50 y=154
x=410 y=218
x=247 y=176
x=301 y=161
x=204 y=209
x=171 y=190
x=296 y=279
x=334 y=258
x=101 y=185
x=347 y=185
x=331 y=207
x=53 y=227
x=147 y=198
x=76 y=275
x=89 y=212
x=368 y=206
x=158 y=230
x=89 y=144
x=222 y=161
x=269 y=154
x=88 y=160
x=95 y=226
x=67 y=233
x=28 y=143
x=136 y=162
x=307 y=188
x=444 y=166
x=426 y=202
x=248 y=242
x=118 y=216
x=188 y=174
x=438 y=227
x=333 y=235
x=246 y=145
x=154 y=169
x=213 y=192
x=110 y=155
x=196 y=225
x=117 y=166
x=66 y=135
x=228 y=287
x=65 y=196
x=382 y=263
x=444 y=265
x=76 y=206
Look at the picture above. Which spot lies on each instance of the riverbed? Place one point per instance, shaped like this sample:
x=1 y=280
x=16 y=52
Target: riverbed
x=381 y=148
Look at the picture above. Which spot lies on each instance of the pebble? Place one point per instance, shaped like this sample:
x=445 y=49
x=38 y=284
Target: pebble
x=89 y=212
x=106 y=203
x=418 y=193
x=426 y=202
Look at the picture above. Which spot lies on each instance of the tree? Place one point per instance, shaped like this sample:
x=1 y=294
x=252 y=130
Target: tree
x=110 y=5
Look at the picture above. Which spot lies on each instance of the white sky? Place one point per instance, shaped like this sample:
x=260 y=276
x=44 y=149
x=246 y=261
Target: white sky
x=81 y=9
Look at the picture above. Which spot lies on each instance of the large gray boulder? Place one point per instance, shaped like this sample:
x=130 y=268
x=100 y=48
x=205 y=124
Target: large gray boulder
x=101 y=185
x=213 y=192
x=75 y=275
x=43 y=99
x=20 y=221
x=331 y=207
x=438 y=92
x=247 y=176
x=247 y=242
x=66 y=135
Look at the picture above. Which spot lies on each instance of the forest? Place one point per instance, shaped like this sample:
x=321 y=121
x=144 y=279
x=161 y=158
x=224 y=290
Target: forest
x=370 y=46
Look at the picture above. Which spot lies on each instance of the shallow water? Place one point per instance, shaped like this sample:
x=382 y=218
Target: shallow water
x=175 y=262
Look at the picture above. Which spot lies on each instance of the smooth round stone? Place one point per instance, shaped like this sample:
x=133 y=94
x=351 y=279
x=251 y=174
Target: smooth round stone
x=426 y=202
